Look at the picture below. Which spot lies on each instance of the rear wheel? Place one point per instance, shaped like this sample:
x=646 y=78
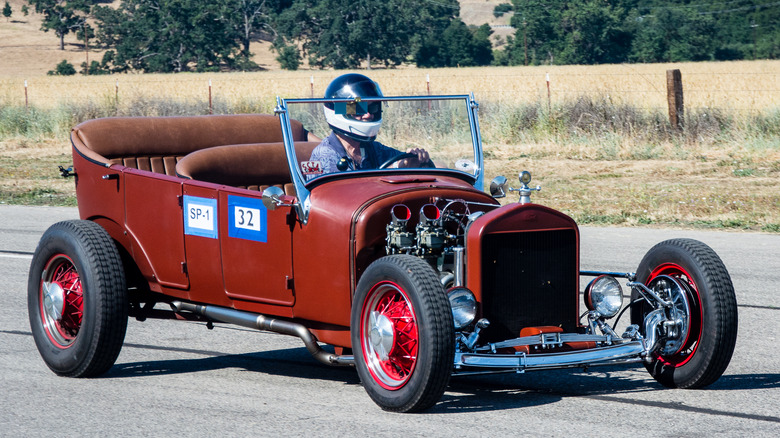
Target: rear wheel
x=697 y=351
x=402 y=334
x=77 y=299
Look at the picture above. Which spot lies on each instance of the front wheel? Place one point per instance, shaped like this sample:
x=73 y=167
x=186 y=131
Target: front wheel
x=77 y=299
x=691 y=275
x=402 y=334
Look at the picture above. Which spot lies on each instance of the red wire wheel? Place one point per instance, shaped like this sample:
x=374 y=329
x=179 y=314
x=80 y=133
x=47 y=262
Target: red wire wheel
x=77 y=299
x=402 y=334
x=61 y=301
x=388 y=329
x=697 y=350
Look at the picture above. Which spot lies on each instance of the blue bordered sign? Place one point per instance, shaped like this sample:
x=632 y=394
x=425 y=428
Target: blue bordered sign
x=247 y=219
x=200 y=216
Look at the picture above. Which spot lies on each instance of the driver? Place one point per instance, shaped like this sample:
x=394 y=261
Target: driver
x=351 y=145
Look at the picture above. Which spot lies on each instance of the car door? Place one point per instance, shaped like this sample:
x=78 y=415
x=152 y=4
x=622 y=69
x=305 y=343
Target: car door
x=256 y=247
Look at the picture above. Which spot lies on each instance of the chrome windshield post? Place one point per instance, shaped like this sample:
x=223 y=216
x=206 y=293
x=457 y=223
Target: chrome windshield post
x=476 y=138
x=304 y=204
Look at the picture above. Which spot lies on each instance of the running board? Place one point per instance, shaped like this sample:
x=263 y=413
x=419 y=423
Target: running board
x=262 y=322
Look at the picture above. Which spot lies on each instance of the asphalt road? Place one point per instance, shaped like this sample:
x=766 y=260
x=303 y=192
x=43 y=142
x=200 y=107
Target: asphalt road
x=180 y=378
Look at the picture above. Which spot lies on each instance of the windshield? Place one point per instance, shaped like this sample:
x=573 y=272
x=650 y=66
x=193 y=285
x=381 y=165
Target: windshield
x=389 y=134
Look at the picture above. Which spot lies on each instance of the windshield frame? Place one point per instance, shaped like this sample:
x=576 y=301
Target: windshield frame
x=302 y=186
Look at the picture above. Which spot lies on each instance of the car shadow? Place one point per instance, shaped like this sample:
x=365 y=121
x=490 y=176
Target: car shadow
x=291 y=362
x=464 y=394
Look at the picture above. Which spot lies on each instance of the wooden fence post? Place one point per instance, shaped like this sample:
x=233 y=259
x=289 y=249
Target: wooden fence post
x=674 y=96
x=211 y=107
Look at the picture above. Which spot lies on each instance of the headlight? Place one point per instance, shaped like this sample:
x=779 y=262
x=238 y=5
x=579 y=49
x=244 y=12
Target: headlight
x=464 y=306
x=604 y=295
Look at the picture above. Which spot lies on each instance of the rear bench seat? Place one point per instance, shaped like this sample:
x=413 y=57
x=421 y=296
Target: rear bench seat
x=249 y=166
x=156 y=144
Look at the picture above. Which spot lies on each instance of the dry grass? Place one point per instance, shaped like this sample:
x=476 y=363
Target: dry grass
x=597 y=168
x=744 y=86
x=714 y=191
x=720 y=189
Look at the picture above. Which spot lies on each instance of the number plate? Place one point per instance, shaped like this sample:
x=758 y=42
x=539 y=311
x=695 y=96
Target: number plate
x=247 y=219
x=200 y=216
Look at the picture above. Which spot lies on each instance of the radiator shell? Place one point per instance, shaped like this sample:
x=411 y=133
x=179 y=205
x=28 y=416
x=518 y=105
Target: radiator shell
x=523 y=266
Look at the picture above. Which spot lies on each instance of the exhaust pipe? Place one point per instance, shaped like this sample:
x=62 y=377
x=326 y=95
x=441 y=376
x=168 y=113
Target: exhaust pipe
x=261 y=322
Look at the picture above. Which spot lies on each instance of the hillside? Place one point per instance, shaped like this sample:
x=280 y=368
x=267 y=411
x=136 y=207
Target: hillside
x=26 y=51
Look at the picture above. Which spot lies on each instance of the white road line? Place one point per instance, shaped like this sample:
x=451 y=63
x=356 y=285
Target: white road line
x=16 y=256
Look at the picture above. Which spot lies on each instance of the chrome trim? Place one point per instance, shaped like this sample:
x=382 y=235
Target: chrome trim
x=652 y=320
x=476 y=138
x=262 y=322
x=459 y=266
x=643 y=290
x=304 y=204
x=629 y=352
x=628 y=275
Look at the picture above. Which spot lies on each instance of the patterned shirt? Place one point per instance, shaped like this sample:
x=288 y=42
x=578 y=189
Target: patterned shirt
x=331 y=151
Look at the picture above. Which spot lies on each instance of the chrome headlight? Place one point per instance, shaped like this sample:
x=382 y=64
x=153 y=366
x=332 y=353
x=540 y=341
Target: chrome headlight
x=464 y=306
x=604 y=295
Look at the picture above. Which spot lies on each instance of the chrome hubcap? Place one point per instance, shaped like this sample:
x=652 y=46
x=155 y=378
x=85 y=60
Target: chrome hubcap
x=53 y=300
x=381 y=334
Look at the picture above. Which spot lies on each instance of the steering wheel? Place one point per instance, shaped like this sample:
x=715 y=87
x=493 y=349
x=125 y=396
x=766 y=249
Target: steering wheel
x=403 y=156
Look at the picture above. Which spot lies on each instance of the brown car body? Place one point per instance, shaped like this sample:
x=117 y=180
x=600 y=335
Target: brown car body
x=193 y=223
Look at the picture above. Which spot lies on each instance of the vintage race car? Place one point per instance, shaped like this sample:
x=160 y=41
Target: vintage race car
x=409 y=274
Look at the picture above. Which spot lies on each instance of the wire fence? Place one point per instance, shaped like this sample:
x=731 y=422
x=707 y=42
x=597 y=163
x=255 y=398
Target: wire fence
x=739 y=86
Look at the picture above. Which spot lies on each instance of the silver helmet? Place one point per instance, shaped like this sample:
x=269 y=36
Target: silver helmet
x=352 y=86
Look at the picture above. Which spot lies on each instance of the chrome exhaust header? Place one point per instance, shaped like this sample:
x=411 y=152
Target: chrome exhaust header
x=262 y=322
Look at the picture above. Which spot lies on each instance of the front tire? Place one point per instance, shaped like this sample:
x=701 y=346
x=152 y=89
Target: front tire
x=77 y=299
x=705 y=350
x=402 y=334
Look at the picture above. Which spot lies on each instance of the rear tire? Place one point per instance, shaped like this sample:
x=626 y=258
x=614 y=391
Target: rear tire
x=706 y=351
x=402 y=334
x=77 y=299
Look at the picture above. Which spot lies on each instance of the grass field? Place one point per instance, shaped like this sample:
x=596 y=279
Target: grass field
x=744 y=86
x=600 y=145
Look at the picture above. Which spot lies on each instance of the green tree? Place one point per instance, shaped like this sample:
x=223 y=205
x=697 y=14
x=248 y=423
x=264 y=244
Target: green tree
x=672 y=35
x=289 y=57
x=501 y=9
x=168 y=35
x=64 y=68
x=457 y=46
x=62 y=16
x=7 y=11
x=339 y=34
x=576 y=32
x=251 y=16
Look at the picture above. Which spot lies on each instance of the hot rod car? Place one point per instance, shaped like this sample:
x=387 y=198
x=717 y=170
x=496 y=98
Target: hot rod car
x=409 y=274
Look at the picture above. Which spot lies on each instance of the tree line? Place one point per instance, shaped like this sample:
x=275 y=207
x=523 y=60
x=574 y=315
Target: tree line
x=616 y=31
x=194 y=35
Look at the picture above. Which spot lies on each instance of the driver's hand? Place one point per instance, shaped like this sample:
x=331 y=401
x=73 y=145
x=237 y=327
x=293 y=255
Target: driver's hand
x=422 y=157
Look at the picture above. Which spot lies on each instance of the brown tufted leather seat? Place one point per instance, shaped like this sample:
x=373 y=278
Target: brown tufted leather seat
x=156 y=144
x=250 y=166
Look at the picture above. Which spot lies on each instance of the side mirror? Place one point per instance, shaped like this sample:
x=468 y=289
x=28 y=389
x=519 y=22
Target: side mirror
x=272 y=197
x=498 y=187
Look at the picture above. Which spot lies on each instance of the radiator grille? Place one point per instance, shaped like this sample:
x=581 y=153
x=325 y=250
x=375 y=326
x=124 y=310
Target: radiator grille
x=529 y=279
